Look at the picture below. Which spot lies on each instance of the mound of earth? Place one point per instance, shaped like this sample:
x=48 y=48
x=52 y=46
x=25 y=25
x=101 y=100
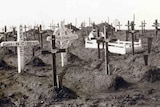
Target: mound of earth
x=82 y=79
x=117 y=82
x=152 y=75
x=4 y=65
x=64 y=93
x=36 y=61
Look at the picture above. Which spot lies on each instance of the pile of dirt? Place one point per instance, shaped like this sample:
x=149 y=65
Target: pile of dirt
x=152 y=75
x=64 y=93
x=4 y=65
x=36 y=61
x=117 y=82
x=6 y=51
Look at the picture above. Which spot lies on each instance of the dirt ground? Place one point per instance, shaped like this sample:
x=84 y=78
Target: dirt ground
x=131 y=83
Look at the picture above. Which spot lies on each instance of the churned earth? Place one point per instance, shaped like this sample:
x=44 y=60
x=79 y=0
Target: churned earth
x=85 y=84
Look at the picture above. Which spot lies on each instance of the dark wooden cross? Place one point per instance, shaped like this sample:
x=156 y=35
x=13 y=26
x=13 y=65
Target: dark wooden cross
x=5 y=33
x=53 y=52
x=41 y=38
x=106 y=40
x=128 y=29
x=132 y=32
x=156 y=25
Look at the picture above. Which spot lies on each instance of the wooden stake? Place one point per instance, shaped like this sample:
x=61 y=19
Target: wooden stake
x=149 y=44
x=106 y=51
x=156 y=25
x=41 y=38
x=98 y=43
x=132 y=32
x=54 y=63
x=127 y=32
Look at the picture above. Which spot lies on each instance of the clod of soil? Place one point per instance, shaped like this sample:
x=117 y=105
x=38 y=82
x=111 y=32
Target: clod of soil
x=117 y=82
x=64 y=93
x=36 y=61
x=4 y=65
x=152 y=75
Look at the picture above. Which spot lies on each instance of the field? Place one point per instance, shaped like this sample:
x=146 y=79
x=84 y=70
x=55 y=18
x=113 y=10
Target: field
x=131 y=84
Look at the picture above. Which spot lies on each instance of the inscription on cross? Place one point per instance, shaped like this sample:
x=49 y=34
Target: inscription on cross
x=20 y=43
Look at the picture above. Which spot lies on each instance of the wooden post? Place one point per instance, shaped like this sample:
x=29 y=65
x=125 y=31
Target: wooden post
x=106 y=51
x=149 y=44
x=41 y=38
x=156 y=25
x=98 y=44
x=25 y=27
x=132 y=32
x=143 y=27
x=5 y=32
x=54 y=63
x=119 y=25
x=127 y=32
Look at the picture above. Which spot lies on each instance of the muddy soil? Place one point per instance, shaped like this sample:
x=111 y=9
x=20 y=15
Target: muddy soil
x=85 y=84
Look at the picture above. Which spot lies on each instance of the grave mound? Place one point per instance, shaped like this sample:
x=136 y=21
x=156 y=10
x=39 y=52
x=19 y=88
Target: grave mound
x=7 y=51
x=152 y=75
x=36 y=61
x=117 y=82
x=64 y=93
x=4 y=65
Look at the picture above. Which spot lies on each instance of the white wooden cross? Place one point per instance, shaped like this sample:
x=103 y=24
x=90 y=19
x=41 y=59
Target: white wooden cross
x=63 y=38
x=20 y=43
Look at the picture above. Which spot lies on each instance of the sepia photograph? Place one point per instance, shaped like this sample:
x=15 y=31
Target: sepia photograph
x=79 y=53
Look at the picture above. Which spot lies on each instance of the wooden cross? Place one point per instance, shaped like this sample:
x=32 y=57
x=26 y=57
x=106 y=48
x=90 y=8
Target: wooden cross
x=132 y=32
x=54 y=50
x=127 y=32
x=156 y=25
x=106 y=40
x=41 y=38
x=20 y=43
x=119 y=25
x=143 y=27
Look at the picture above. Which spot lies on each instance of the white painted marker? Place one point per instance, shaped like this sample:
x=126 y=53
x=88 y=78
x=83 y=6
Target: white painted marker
x=20 y=43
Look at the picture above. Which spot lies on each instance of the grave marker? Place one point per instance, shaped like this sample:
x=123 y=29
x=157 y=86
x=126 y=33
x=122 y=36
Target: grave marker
x=132 y=32
x=41 y=38
x=63 y=37
x=149 y=44
x=20 y=43
x=127 y=32
x=143 y=27
x=156 y=25
x=119 y=25
x=106 y=51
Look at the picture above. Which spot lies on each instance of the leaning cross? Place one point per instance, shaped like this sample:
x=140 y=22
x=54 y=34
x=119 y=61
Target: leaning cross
x=20 y=43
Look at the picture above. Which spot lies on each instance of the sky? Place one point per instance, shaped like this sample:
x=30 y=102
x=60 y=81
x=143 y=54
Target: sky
x=15 y=12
